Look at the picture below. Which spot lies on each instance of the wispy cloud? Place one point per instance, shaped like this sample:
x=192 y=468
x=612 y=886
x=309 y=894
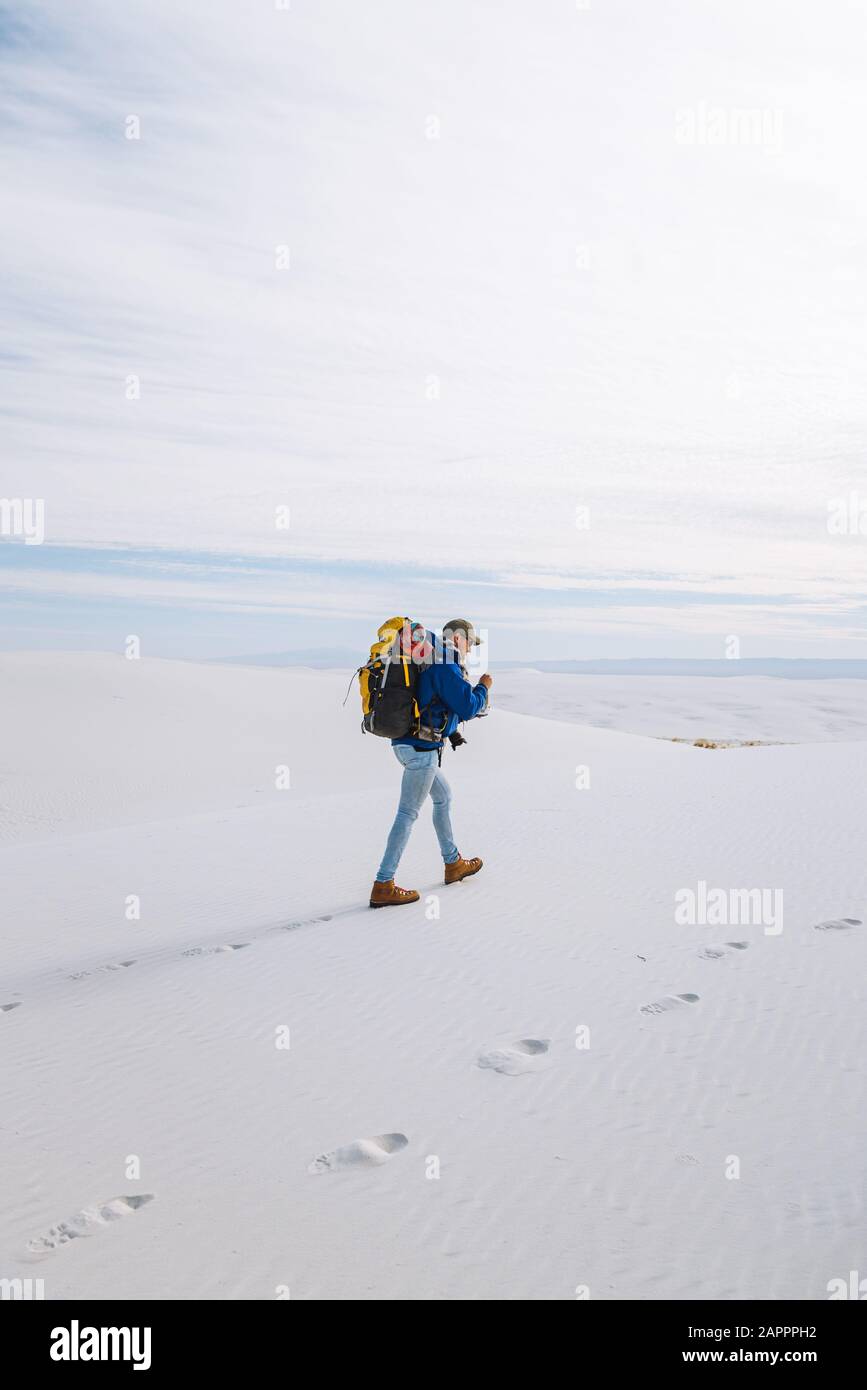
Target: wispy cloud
x=436 y=280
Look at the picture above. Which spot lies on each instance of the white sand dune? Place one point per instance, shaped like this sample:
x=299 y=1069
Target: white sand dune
x=739 y=708
x=525 y=1084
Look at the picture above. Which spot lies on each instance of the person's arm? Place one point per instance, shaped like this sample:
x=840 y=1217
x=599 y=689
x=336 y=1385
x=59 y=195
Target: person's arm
x=463 y=699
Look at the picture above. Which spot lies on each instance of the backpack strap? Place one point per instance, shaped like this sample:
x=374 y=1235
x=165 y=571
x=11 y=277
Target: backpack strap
x=349 y=687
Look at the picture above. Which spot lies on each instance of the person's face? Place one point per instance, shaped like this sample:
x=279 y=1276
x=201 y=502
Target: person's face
x=421 y=648
x=460 y=640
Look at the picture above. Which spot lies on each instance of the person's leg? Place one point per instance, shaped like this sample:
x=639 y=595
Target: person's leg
x=441 y=796
x=418 y=773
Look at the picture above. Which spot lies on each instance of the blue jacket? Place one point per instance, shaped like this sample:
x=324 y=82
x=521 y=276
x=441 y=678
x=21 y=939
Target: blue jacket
x=444 y=694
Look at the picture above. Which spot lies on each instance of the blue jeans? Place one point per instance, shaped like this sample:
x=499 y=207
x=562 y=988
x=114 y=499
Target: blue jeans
x=421 y=778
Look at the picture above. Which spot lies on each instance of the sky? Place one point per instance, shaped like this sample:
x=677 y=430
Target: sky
x=549 y=316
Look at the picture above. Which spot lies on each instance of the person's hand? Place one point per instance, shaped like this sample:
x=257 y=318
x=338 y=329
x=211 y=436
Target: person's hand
x=486 y=680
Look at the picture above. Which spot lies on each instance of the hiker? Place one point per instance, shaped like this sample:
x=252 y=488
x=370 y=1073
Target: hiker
x=445 y=698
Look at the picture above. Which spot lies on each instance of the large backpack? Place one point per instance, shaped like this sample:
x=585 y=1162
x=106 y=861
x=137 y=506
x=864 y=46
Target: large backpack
x=388 y=684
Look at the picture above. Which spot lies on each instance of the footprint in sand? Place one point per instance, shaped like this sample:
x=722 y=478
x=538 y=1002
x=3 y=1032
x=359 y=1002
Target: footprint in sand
x=838 y=924
x=307 y=922
x=724 y=948
x=214 y=950
x=86 y=1222
x=362 y=1153
x=516 y=1057
x=101 y=970
x=5 y=1008
x=669 y=1003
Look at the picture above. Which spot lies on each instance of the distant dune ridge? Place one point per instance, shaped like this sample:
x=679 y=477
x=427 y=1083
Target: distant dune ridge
x=788 y=668
x=738 y=709
x=530 y=1082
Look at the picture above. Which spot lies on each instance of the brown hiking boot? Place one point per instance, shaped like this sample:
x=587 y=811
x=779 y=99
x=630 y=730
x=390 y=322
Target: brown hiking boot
x=388 y=895
x=462 y=868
